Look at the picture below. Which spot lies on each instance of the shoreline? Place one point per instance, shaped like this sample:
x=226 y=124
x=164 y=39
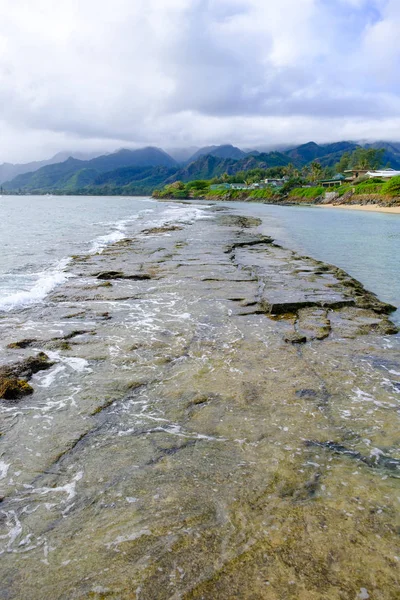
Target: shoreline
x=366 y=207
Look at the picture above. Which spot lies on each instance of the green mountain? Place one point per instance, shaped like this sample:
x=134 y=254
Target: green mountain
x=391 y=155
x=330 y=153
x=141 y=171
x=207 y=167
x=59 y=176
x=132 y=180
x=225 y=151
x=9 y=171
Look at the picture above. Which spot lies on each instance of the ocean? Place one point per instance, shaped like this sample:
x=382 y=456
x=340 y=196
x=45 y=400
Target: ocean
x=40 y=234
x=365 y=244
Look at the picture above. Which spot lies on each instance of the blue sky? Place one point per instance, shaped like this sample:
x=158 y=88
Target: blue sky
x=95 y=75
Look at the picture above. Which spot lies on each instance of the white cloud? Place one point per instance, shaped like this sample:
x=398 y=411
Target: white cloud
x=93 y=74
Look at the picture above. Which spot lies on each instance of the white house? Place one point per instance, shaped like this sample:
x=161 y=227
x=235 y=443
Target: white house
x=384 y=174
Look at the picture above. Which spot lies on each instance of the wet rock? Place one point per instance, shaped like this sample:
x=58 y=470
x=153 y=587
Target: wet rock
x=22 y=343
x=12 y=388
x=105 y=316
x=29 y=366
x=295 y=338
x=164 y=229
x=120 y=275
x=239 y=221
x=249 y=241
x=76 y=315
x=306 y=393
x=283 y=308
x=75 y=333
x=378 y=459
x=12 y=384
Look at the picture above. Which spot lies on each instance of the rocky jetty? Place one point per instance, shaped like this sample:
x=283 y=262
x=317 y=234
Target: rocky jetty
x=221 y=421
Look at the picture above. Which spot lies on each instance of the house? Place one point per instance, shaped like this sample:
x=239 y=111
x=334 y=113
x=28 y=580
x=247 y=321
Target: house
x=384 y=174
x=220 y=186
x=275 y=182
x=355 y=173
x=336 y=181
x=240 y=186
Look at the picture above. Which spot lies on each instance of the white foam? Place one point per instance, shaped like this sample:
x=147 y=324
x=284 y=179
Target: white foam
x=68 y=488
x=76 y=364
x=14 y=529
x=118 y=233
x=3 y=469
x=46 y=281
x=185 y=215
x=47 y=379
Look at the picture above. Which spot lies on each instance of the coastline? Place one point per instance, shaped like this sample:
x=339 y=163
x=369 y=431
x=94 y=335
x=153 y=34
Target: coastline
x=212 y=408
x=368 y=207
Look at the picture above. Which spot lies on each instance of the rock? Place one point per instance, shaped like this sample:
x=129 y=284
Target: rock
x=22 y=343
x=12 y=388
x=295 y=338
x=33 y=365
x=164 y=229
x=120 y=275
x=239 y=221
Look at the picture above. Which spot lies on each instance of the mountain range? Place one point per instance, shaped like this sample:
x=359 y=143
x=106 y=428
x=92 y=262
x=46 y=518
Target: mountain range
x=9 y=171
x=141 y=171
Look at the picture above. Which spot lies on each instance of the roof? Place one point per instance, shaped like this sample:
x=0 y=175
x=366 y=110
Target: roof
x=384 y=173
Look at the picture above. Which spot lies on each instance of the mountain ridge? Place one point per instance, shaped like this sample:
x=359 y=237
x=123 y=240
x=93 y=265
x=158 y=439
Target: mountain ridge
x=145 y=169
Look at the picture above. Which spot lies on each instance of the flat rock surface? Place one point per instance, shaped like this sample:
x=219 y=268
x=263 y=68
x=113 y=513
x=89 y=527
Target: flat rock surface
x=221 y=421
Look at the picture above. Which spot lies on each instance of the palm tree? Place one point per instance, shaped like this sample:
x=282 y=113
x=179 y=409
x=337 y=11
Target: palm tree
x=316 y=171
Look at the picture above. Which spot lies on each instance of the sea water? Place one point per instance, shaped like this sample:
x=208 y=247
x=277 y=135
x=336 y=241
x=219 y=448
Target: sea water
x=365 y=244
x=39 y=234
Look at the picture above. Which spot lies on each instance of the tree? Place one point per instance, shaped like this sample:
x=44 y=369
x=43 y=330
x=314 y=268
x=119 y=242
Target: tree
x=288 y=170
x=343 y=163
x=305 y=171
x=366 y=158
x=316 y=171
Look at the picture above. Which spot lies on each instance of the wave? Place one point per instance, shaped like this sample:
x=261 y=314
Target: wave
x=46 y=281
x=118 y=232
x=178 y=214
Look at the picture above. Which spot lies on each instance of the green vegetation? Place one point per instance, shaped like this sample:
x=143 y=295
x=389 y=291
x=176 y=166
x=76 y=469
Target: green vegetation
x=307 y=193
x=152 y=171
x=392 y=187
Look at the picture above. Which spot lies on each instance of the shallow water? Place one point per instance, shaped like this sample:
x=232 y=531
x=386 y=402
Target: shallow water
x=39 y=234
x=365 y=244
x=182 y=446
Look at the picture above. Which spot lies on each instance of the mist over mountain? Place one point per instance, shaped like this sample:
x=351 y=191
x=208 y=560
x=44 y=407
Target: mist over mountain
x=182 y=155
x=143 y=170
x=224 y=151
x=9 y=171
x=57 y=176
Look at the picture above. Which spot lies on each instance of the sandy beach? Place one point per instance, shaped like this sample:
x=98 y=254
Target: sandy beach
x=369 y=207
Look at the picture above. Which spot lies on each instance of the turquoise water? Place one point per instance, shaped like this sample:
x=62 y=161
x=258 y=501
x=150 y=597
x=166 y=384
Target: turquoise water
x=365 y=244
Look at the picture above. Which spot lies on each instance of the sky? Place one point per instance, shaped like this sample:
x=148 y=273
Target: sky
x=87 y=75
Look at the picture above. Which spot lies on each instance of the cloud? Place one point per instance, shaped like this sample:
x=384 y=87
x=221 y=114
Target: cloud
x=90 y=74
